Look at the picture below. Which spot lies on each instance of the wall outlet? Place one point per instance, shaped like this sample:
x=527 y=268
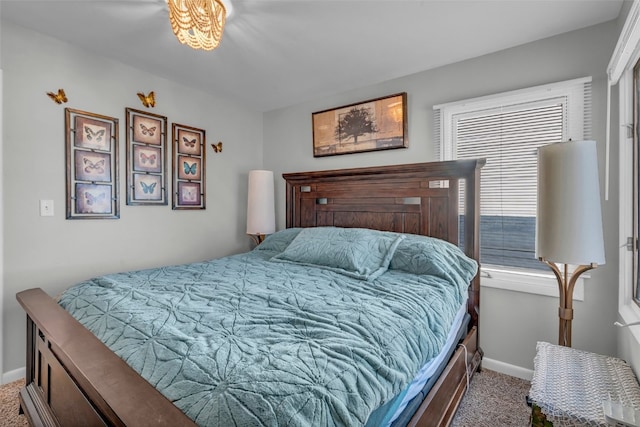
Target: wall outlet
x=46 y=207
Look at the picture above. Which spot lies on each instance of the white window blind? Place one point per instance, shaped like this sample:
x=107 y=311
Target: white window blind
x=507 y=130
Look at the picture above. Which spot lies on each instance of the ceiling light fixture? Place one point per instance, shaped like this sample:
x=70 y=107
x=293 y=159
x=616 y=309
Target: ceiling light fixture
x=198 y=23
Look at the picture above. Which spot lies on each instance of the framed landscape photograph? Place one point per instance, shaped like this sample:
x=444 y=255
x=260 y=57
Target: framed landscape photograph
x=188 y=167
x=92 y=165
x=146 y=158
x=377 y=124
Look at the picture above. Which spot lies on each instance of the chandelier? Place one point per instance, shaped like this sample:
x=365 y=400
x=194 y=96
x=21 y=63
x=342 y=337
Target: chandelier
x=198 y=23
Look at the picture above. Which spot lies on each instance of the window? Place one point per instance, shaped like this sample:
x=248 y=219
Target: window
x=623 y=71
x=507 y=129
x=633 y=244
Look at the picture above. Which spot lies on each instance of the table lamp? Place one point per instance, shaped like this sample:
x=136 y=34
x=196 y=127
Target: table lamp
x=260 y=205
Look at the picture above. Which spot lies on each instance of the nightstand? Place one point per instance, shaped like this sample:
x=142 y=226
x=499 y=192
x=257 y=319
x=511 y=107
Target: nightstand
x=572 y=387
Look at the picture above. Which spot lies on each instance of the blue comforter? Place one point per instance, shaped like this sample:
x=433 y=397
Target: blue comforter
x=247 y=341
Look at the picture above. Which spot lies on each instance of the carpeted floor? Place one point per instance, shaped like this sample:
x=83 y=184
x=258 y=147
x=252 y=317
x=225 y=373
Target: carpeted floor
x=494 y=400
x=9 y=405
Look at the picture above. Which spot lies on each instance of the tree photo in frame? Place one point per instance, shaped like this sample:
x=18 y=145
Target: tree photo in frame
x=188 y=167
x=92 y=165
x=146 y=158
x=377 y=124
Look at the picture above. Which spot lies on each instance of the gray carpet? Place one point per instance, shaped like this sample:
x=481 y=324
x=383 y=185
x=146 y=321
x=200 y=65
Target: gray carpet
x=9 y=405
x=494 y=400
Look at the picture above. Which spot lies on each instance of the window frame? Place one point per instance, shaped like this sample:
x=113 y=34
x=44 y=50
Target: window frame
x=620 y=71
x=531 y=281
x=628 y=309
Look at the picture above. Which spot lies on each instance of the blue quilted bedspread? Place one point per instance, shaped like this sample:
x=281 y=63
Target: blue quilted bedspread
x=246 y=341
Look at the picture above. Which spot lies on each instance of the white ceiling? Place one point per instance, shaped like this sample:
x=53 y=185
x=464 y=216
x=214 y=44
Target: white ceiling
x=277 y=53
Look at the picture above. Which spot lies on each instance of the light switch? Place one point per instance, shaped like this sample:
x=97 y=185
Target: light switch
x=46 y=207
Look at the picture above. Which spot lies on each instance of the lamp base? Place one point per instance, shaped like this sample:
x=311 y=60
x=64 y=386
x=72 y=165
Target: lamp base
x=566 y=284
x=257 y=238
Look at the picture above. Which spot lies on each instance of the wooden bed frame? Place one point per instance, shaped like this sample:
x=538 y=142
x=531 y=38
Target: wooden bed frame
x=73 y=379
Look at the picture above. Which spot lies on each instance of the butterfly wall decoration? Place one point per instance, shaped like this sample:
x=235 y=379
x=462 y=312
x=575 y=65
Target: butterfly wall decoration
x=151 y=158
x=58 y=98
x=217 y=148
x=189 y=142
x=189 y=195
x=92 y=156
x=91 y=134
x=96 y=167
x=148 y=100
x=189 y=151
x=147 y=130
x=148 y=188
x=190 y=169
x=93 y=199
x=146 y=155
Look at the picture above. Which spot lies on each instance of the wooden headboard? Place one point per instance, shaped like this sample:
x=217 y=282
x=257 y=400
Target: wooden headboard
x=419 y=198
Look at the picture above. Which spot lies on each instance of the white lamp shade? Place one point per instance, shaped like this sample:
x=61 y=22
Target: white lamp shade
x=569 y=218
x=261 y=218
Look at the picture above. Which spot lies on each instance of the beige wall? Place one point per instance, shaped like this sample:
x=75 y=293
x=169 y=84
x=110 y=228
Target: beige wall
x=511 y=322
x=52 y=252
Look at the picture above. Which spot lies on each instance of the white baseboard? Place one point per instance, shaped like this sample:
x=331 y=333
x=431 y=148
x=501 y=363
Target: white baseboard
x=11 y=376
x=505 y=368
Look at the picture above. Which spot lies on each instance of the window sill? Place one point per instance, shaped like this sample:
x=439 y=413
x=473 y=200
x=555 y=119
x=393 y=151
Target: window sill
x=630 y=313
x=531 y=282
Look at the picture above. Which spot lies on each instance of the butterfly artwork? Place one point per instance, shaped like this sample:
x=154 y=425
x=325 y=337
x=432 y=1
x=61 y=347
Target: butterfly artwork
x=147 y=100
x=190 y=169
x=90 y=134
x=58 y=98
x=148 y=188
x=190 y=143
x=147 y=130
x=189 y=195
x=92 y=167
x=217 y=148
x=93 y=199
x=148 y=158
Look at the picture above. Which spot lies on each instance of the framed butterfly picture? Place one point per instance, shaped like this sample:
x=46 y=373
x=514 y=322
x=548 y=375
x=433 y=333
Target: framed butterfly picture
x=92 y=165
x=146 y=158
x=188 y=167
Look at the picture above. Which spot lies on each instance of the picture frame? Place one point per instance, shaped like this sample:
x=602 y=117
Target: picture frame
x=188 y=167
x=92 y=190
x=376 y=124
x=146 y=158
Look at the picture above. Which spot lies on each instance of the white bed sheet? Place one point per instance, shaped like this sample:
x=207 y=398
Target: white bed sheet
x=429 y=368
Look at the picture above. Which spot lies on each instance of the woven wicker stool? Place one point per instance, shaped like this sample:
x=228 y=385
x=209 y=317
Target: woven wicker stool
x=569 y=386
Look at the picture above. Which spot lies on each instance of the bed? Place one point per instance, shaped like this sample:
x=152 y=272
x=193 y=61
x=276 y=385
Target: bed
x=73 y=378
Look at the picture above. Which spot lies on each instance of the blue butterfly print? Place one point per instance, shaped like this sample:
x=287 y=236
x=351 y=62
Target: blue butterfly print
x=148 y=188
x=190 y=169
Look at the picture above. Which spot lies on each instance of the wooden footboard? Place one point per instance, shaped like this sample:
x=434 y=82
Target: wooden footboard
x=73 y=379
